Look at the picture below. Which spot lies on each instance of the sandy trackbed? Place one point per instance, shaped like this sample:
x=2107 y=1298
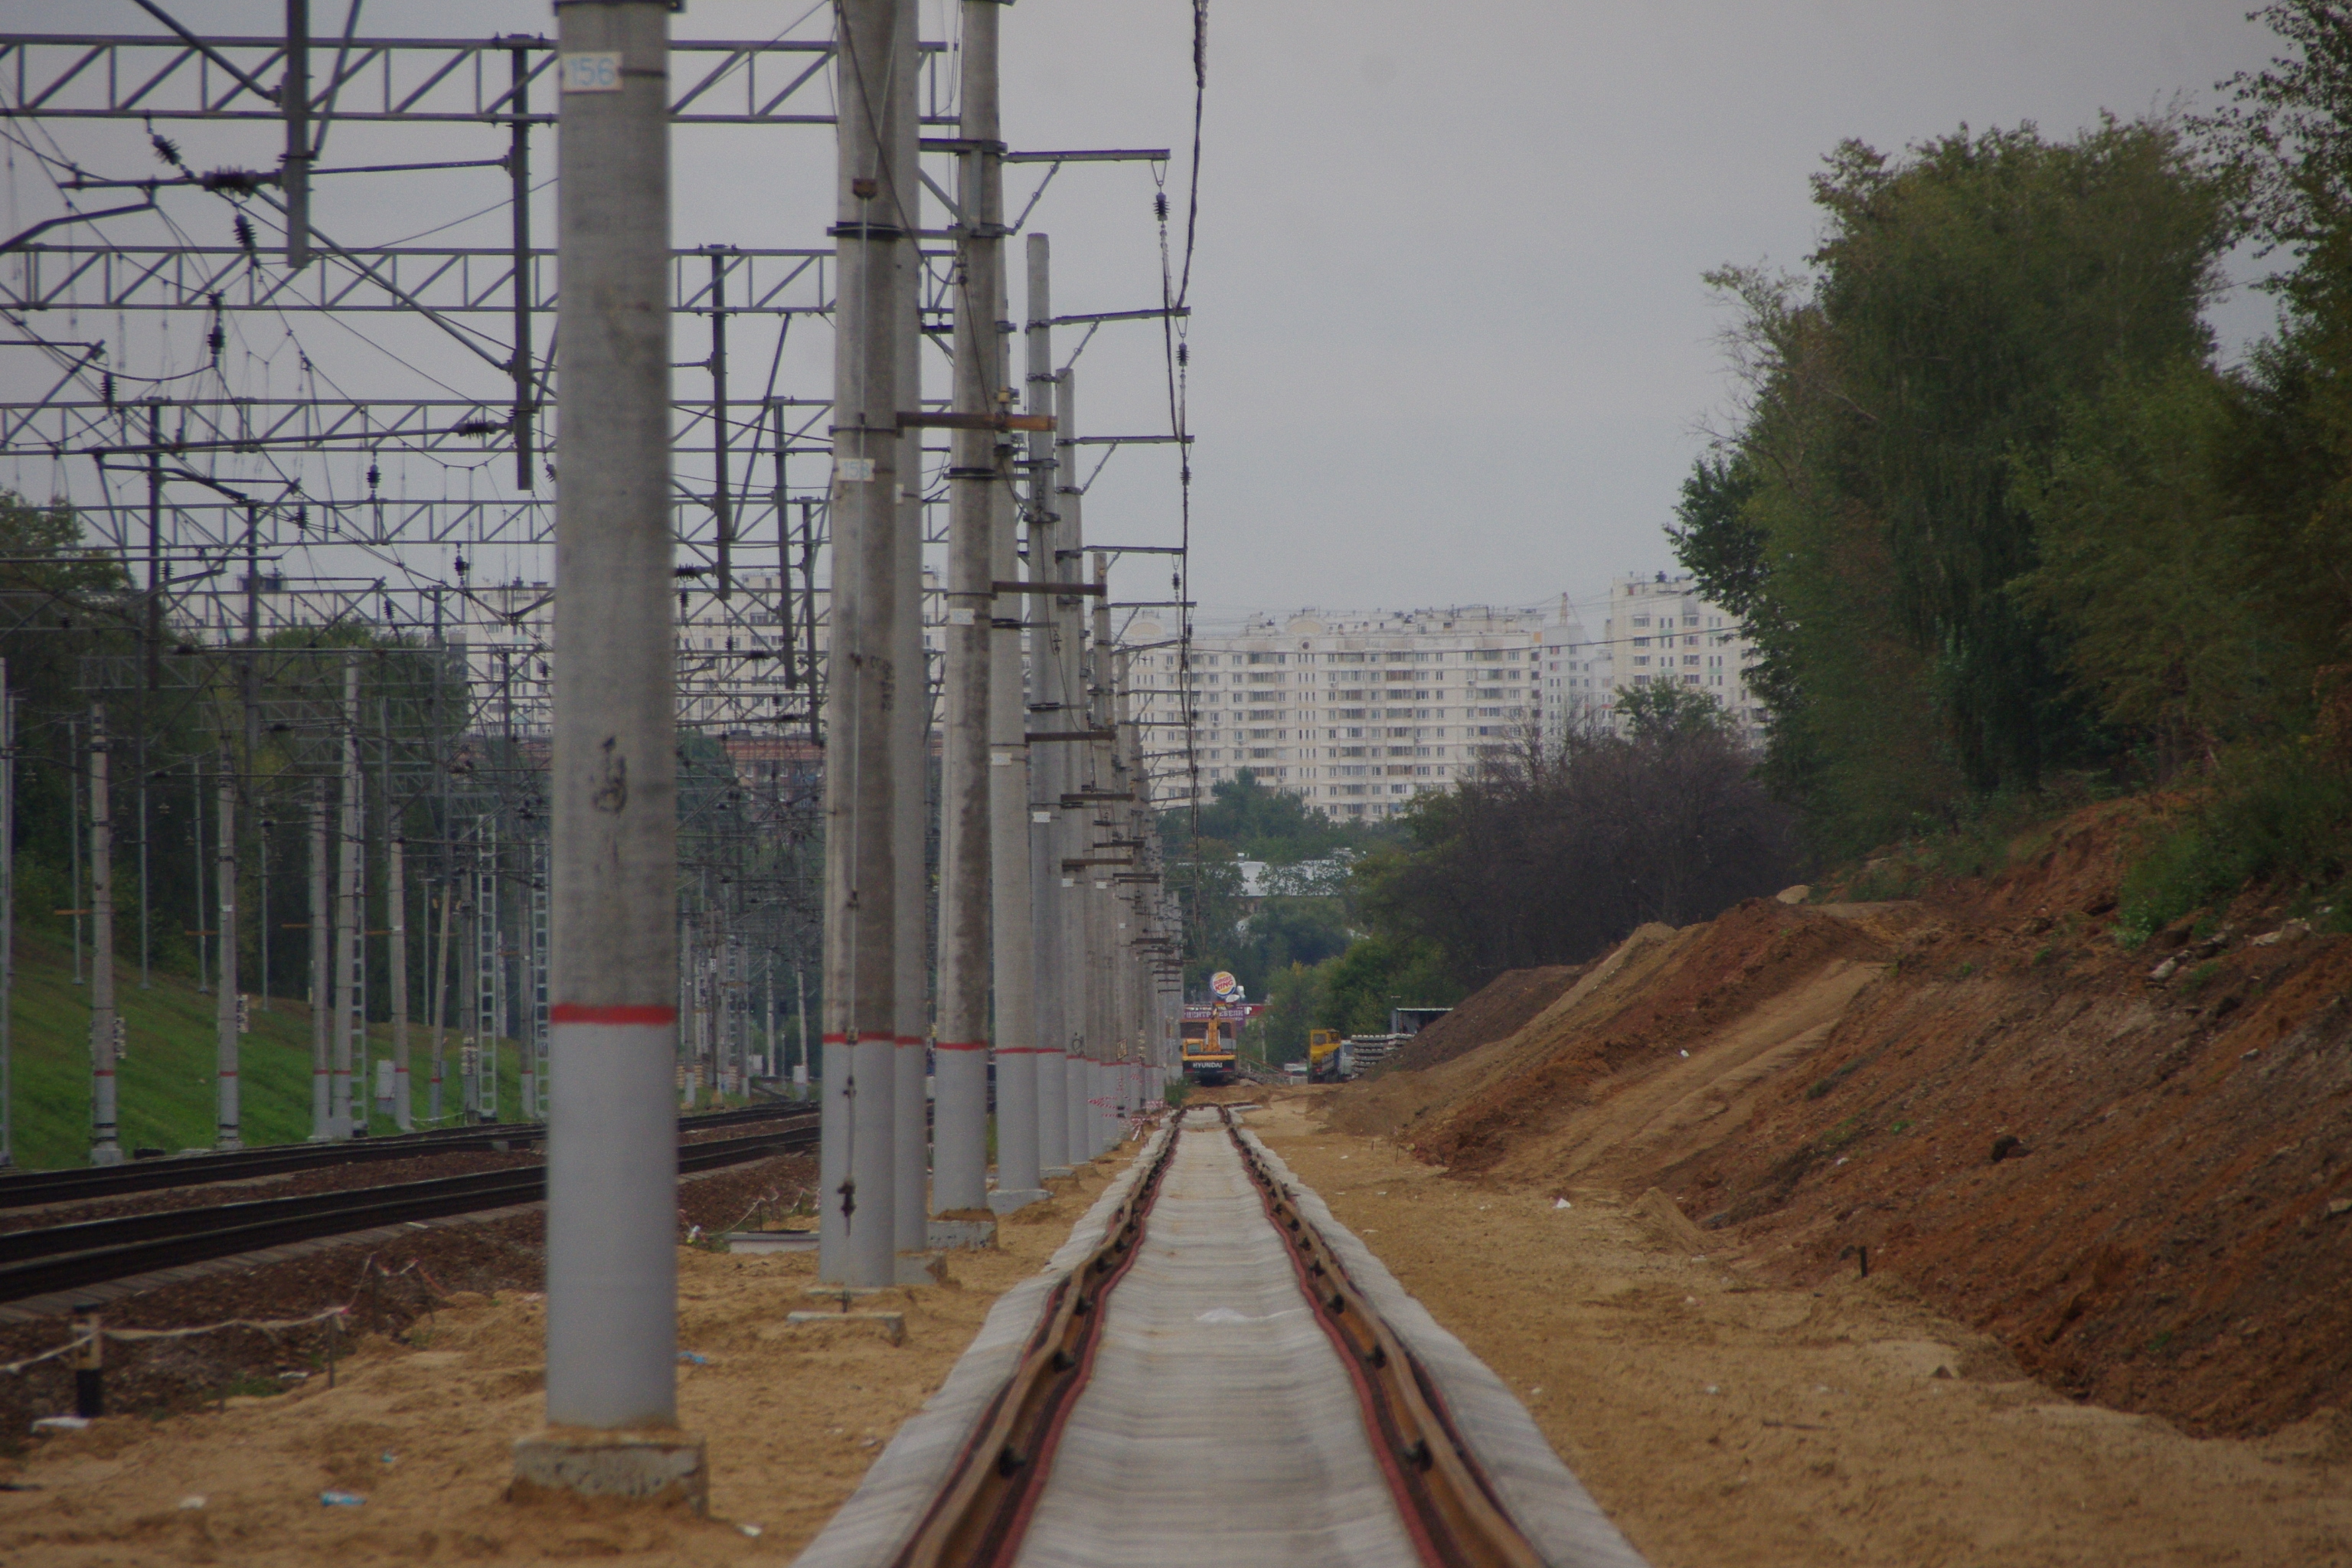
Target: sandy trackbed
x=419 y=1426
x=1722 y=1422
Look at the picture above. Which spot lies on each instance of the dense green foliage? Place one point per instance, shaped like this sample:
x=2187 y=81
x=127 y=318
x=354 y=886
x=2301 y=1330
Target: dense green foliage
x=1871 y=519
x=1996 y=513
x=1550 y=856
x=1302 y=918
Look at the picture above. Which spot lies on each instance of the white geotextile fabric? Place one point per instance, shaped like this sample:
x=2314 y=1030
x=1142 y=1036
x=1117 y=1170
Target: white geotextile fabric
x=1218 y=1427
x=1546 y=1501
x=888 y=1504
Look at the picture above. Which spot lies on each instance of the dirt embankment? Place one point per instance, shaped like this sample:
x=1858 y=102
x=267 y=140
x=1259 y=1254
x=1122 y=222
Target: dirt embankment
x=2137 y=1179
x=1499 y=1008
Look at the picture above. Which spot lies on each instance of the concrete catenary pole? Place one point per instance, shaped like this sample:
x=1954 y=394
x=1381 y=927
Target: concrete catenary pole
x=959 y=1125
x=437 y=1003
x=224 y=1005
x=875 y=239
x=1049 y=766
x=612 y=1152
x=396 y=970
x=7 y=922
x=1073 y=823
x=322 y=1124
x=911 y=722
x=347 y=911
x=1102 y=903
x=1016 y=950
x=104 y=1149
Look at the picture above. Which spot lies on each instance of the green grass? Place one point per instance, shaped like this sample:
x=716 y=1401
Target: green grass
x=164 y=1087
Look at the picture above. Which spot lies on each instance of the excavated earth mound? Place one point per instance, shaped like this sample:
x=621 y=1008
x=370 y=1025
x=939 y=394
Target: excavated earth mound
x=1497 y=1009
x=2133 y=1168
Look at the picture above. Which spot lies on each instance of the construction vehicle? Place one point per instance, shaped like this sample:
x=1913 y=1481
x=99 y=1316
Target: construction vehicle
x=1209 y=1045
x=1323 y=1055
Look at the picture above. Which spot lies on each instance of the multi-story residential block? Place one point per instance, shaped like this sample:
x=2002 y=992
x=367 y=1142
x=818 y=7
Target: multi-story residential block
x=1353 y=713
x=1657 y=629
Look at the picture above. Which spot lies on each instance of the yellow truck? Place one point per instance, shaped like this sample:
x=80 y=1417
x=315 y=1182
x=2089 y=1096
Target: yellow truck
x=1323 y=1055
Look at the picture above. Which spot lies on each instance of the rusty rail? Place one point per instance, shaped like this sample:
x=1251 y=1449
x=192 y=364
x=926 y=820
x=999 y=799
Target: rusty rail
x=1450 y=1509
x=980 y=1515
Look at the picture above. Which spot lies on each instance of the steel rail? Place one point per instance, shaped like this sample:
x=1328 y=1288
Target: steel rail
x=28 y=1188
x=61 y=1257
x=980 y=1514
x=1450 y=1509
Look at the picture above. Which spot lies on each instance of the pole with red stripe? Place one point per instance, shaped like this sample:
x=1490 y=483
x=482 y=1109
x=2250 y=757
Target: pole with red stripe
x=612 y=1149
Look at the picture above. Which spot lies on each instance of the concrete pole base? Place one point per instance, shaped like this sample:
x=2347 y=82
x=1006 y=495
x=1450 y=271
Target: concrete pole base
x=105 y=1154
x=662 y=1468
x=1004 y=1202
x=1054 y=1173
x=844 y=1294
x=922 y=1268
x=961 y=1235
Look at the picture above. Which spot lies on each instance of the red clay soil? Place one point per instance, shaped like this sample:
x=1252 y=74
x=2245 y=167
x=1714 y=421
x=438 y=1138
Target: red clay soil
x=1751 y=953
x=1495 y=1011
x=2143 y=1187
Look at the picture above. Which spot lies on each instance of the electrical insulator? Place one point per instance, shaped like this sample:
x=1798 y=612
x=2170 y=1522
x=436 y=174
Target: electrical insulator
x=245 y=234
x=376 y=477
x=1159 y=205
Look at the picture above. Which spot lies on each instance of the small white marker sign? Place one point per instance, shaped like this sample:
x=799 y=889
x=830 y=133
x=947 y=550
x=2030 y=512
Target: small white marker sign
x=590 y=73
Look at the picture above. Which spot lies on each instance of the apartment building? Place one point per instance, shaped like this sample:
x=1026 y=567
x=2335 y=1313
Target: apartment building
x=1353 y=713
x=1657 y=628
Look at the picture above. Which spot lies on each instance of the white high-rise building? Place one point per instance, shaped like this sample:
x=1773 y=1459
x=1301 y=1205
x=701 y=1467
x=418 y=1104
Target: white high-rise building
x=1353 y=713
x=1658 y=630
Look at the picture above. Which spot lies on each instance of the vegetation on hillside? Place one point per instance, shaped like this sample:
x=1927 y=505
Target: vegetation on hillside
x=2002 y=522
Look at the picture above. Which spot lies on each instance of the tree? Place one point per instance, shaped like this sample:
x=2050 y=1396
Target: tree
x=1552 y=856
x=1867 y=512
x=1663 y=710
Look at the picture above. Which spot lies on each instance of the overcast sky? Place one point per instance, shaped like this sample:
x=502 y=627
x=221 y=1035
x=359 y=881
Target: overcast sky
x=1451 y=342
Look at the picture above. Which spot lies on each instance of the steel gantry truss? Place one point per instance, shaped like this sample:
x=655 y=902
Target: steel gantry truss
x=384 y=471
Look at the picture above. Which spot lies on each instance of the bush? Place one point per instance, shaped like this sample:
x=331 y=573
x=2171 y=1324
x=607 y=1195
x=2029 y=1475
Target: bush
x=2279 y=815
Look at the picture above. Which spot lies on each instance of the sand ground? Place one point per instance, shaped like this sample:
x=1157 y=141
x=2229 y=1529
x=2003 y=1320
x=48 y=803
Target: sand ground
x=421 y=1430
x=1724 y=1424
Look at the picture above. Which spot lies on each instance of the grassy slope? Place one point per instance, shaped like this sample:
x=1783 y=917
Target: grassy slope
x=164 y=1087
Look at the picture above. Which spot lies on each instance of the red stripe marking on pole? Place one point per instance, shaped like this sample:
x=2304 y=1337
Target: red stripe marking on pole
x=973 y=1046
x=1021 y=1050
x=583 y=1013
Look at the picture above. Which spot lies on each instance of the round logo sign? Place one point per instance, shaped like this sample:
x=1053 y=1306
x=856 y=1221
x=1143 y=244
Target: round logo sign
x=1222 y=983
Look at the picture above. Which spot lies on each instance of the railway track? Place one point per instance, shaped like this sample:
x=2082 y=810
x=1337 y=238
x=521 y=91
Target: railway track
x=1224 y=1379
x=26 y=1189
x=39 y=1261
